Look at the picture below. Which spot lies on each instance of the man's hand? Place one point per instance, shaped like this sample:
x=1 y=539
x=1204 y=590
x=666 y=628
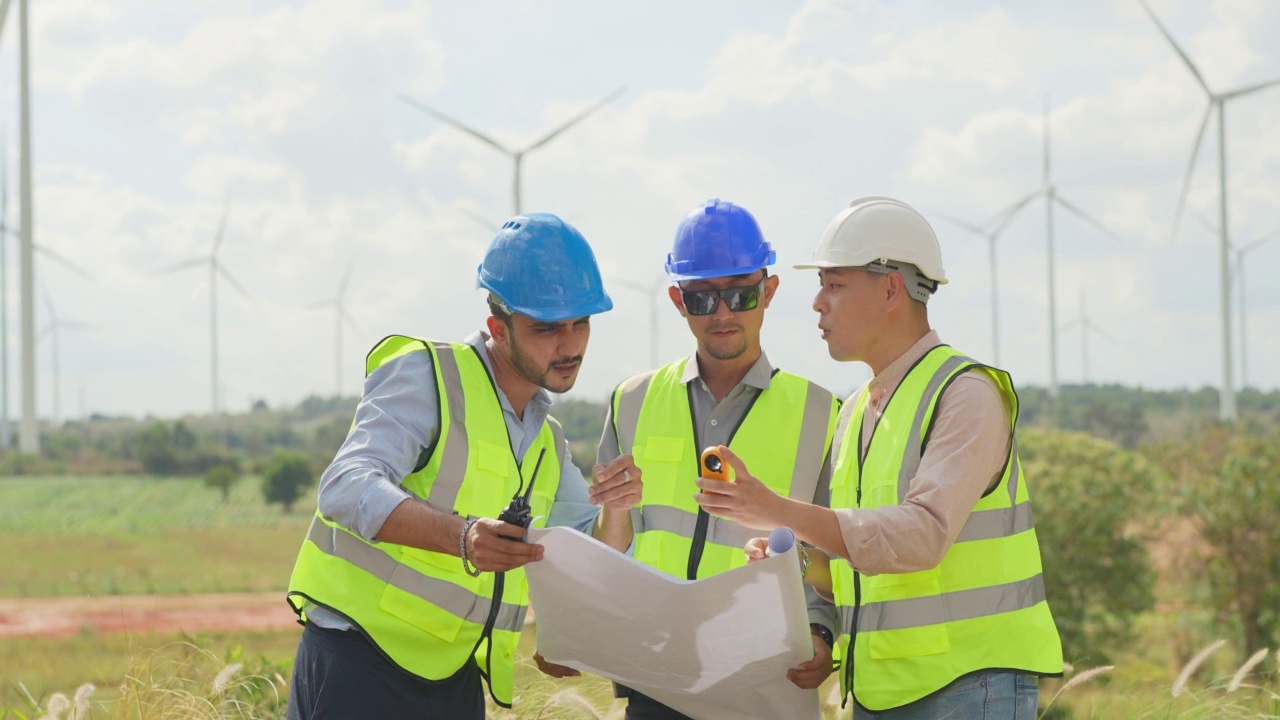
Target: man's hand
x=617 y=485
x=488 y=550
x=552 y=669
x=811 y=674
x=746 y=500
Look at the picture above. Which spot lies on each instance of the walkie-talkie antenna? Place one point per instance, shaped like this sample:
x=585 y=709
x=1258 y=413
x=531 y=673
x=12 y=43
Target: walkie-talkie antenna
x=528 y=492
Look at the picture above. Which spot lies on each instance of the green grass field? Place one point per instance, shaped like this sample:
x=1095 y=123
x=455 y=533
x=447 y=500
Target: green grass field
x=122 y=535
x=132 y=535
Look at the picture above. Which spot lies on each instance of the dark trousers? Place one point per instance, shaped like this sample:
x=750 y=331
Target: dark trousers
x=339 y=675
x=643 y=707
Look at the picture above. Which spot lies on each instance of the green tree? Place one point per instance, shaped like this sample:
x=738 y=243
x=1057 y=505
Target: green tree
x=284 y=477
x=1228 y=478
x=222 y=477
x=1090 y=500
x=154 y=448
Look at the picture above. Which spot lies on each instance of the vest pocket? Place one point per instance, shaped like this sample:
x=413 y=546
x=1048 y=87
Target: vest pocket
x=422 y=580
x=923 y=592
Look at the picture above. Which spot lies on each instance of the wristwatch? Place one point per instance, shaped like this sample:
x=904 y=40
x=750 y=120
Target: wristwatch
x=825 y=633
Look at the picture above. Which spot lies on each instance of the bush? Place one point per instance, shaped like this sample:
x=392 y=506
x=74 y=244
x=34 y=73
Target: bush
x=1090 y=497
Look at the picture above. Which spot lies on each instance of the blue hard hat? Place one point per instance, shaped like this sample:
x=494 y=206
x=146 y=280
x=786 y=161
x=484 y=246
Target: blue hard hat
x=717 y=239
x=540 y=266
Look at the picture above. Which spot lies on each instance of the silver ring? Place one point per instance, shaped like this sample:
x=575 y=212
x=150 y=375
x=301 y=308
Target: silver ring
x=626 y=475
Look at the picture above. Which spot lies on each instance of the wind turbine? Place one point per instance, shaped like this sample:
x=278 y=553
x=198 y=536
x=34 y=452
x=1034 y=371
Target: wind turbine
x=54 y=330
x=654 y=292
x=29 y=429
x=340 y=316
x=991 y=229
x=4 y=277
x=216 y=269
x=517 y=155
x=1086 y=326
x=1237 y=269
x=1051 y=195
x=1227 y=395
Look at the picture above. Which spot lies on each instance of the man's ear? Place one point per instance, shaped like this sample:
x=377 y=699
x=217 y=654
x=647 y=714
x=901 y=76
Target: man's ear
x=497 y=330
x=770 y=287
x=677 y=299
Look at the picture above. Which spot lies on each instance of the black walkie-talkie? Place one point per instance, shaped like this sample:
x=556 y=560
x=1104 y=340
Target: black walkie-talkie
x=518 y=512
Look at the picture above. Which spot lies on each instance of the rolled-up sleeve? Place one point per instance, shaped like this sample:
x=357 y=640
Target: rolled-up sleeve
x=396 y=419
x=966 y=454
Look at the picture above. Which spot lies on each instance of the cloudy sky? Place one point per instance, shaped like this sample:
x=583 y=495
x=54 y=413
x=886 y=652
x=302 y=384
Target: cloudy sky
x=149 y=114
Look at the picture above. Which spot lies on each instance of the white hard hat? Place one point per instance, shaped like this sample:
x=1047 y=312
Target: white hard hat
x=879 y=230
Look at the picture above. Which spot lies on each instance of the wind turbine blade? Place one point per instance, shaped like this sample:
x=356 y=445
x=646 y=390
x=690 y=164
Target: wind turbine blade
x=1250 y=89
x=481 y=220
x=1259 y=241
x=320 y=304
x=63 y=261
x=77 y=325
x=1088 y=218
x=350 y=320
x=456 y=123
x=1088 y=325
x=1006 y=216
x=1185 y=59
x=1046 y=141
x=182 y=266
x=4 y=15
x=1068 y=326
x=222 y=224
x=974 y=229
x=1191 y=168
x=1204 y=221
x=235 y=285
x=574 y=121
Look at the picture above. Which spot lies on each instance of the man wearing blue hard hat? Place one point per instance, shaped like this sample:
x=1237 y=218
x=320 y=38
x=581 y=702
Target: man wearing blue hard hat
x=410 y=589
x=725 y=394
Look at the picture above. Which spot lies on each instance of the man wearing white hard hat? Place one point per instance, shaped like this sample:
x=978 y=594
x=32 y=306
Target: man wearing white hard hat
x=934 y=561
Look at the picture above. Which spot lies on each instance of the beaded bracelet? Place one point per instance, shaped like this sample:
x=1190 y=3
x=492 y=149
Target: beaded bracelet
x=462 y=548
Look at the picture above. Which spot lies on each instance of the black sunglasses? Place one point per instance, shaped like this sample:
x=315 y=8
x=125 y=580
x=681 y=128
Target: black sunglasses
x=738 y=299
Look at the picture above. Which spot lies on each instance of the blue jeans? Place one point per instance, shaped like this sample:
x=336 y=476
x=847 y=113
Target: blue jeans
x=980 y=696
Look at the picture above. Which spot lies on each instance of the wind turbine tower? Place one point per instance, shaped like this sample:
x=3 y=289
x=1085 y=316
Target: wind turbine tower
x=653 y=291
x=340 y=316
x=54 y=331
x=1086 y=326
x=1051 y=195
x=1217 y=101
x=517 y=155
x=216 y=269
x=990 y=230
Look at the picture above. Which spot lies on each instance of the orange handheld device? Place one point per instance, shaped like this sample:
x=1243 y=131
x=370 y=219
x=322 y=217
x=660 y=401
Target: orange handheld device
x=713 y=466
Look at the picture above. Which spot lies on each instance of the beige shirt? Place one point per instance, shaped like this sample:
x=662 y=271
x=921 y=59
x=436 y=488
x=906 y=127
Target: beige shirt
x=965 y=457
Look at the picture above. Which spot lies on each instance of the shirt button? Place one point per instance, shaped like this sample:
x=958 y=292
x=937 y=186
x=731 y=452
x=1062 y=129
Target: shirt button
x=714 y=422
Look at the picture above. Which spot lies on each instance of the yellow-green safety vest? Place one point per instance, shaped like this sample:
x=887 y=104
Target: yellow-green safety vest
x=783 y=439
x=983 y=607
x=418 y=606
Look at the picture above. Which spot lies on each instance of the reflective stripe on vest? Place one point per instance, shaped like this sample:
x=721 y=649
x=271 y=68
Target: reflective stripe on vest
x=917 y=632
x=653 y=420
x=418 y=606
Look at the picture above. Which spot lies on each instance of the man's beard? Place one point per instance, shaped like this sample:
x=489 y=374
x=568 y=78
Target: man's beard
x=529 y=369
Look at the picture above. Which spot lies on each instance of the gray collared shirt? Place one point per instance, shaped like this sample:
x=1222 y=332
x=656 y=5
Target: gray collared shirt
x=714 y=423
x=396 y=419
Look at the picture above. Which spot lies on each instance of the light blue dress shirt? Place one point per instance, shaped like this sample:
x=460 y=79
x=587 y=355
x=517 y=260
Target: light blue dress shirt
x=397 y=419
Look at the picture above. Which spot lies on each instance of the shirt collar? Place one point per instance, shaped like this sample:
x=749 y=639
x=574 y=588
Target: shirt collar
x=892 y=375
x=542 y=399
x=758 y=376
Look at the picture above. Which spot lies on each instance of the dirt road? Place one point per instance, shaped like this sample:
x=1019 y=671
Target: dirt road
x=57 y=617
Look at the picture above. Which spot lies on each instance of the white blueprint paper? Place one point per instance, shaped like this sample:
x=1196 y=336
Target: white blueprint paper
x=716 y=649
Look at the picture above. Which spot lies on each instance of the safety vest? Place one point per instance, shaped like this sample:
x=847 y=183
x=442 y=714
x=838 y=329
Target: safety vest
x=983 y=607
x=783 y=440
x=418 y=606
